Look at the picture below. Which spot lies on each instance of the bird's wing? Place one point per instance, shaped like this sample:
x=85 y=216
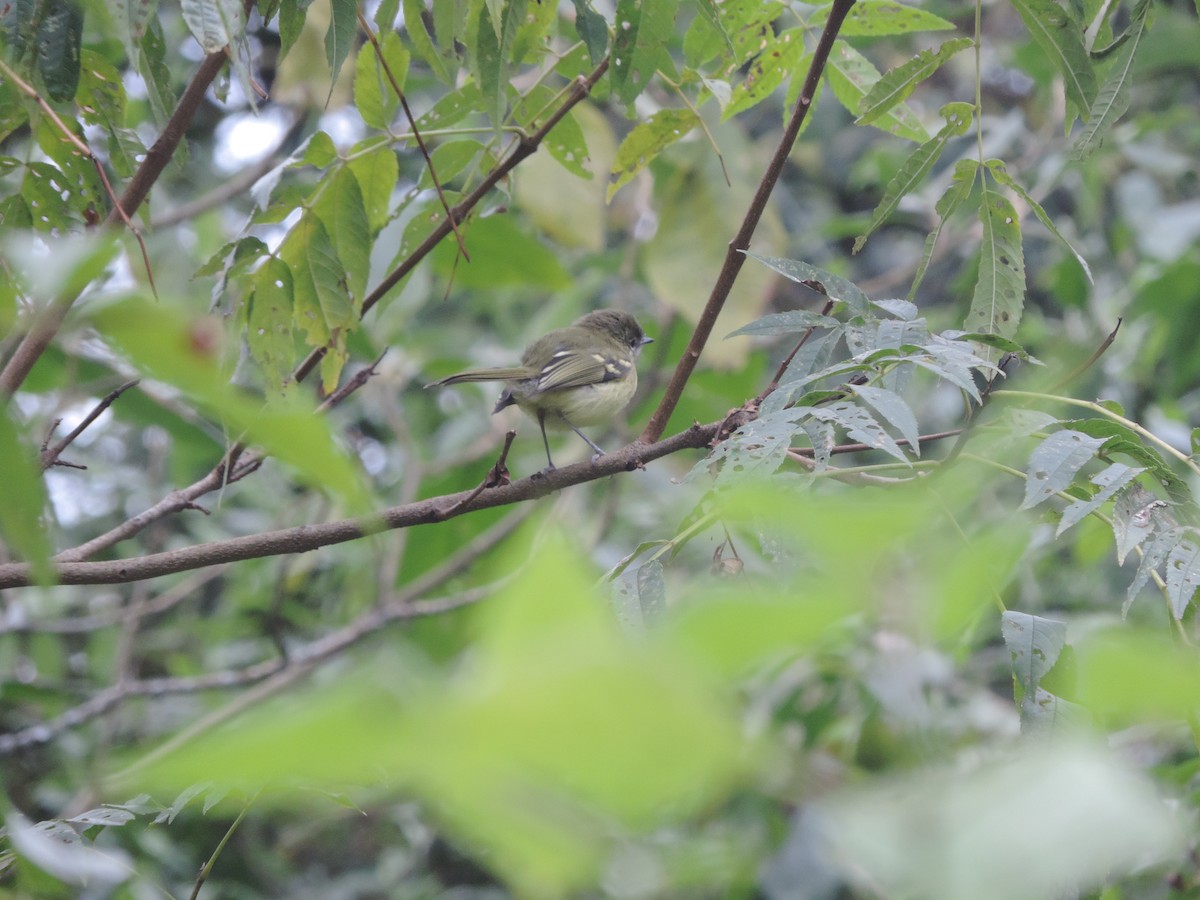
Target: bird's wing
x=572 y=368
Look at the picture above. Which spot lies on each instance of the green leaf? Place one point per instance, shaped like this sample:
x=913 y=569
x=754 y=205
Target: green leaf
x=184 y=353
x=80 y=178
x=450 y=159
x=954 y=361
x=339 y=38
x=873 y=18
x=833 y=286
x=376 y=171
x=646 y=141
x=452 y=108
x=422 y=41
x=914 y=169
x=152 y=66
x=642 y=29
x=386 y=14
x=707 y=34
x=858 y=424
x=895 y=410
x=1166 y=535
x=322 y=305
x=291 y=24
x=1000 y=173
x=565 y=142
x=1061 y=39
x=59 y=36
x=1055 y=462
x=852 y=78
x=1112 y=479
x=952 y=198
x=1033 y=646
x=215 y=24
x=1112 y=100
x=18 y=26
x=340 y=209
x=782 y=55
x=592 y=30
x=1183 y=576
x=898 y=84
x=318 y=150
x=1136 y=514
x=22 y=514
x=493 y=58
x=374 y=96
x=789 y=322
x=999 y=296
x=269 y=324
x=501 y=254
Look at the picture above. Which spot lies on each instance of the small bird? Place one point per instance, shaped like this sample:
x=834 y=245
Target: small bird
x=583 y=374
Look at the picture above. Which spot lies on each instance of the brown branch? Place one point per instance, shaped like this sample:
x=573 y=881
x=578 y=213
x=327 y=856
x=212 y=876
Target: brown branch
x=524 y=148
x=164 y=148
x=734 y=257
x=47 y=324
x=49 y=456
x=303 y=538
x=783 y=366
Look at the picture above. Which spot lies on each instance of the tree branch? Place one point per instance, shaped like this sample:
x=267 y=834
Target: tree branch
x=303 y=538
x=47 y=324
x=734 y=257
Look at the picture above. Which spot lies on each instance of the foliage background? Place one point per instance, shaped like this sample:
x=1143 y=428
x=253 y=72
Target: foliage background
x=749 y=673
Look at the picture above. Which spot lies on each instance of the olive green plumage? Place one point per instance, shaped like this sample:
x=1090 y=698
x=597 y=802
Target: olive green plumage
x=583 y=374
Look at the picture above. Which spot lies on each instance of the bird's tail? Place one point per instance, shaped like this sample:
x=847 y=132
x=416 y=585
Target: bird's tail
x=513 y=373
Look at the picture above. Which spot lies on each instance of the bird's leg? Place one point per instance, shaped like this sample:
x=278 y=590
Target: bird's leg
x=545 y=440
x=588 y=440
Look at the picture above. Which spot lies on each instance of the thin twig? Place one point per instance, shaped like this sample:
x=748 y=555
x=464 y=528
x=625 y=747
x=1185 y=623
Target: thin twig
x=361 y=377
x=783 y=366
x=1087 y=363
x=412 y=121
x=496 y=476
x=49 y=457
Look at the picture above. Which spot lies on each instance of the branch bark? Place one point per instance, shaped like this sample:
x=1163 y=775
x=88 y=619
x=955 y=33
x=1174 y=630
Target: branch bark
x=303 y=538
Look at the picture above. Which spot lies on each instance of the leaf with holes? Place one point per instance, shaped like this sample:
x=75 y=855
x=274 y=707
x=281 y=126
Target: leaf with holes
x=833 y=286
x=1183 y=576
x=1000 y=286
x=895 y=410
x=1055 y=462
x=1033 y=646
x=1107 y=482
